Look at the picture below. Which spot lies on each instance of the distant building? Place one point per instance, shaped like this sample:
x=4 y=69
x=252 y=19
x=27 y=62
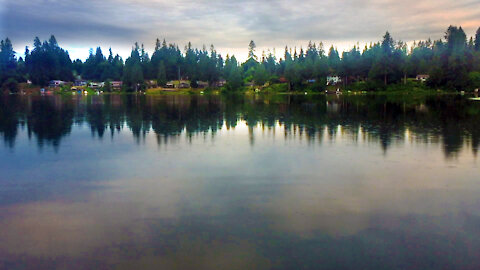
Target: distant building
x=116 y=85
x=80 y=83
x=221 y=82
x=422 y=77
x=151 y=83
x=183 y=84
x=178 y=84
x=282 y=80
x=96 y=84
x=202 y=84
x=56 y=83
x=333 y=80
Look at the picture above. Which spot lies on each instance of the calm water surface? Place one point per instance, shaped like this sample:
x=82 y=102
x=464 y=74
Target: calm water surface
x=210 y=182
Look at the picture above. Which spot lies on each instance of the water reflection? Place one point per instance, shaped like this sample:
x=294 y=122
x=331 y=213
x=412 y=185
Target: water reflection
x=212 y=182
x=452 y=121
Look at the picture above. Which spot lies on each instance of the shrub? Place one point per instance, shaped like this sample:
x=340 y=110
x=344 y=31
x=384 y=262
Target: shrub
x=371 y=85
x=474 y=79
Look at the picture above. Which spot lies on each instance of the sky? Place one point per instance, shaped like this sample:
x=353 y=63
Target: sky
x=229 y=24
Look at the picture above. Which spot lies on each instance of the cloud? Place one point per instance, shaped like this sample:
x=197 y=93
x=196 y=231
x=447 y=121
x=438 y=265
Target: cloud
x=230 y=24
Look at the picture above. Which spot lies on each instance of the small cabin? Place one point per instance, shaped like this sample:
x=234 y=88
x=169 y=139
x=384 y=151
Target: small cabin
x=96 y=85
x=183 y=85
x=333 y=80
x=178 y=84
x=422 y=77
x=116 y=84
x=202 y=84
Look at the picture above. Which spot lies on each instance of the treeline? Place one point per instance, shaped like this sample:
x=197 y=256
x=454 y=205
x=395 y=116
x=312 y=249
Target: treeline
x=452 y=63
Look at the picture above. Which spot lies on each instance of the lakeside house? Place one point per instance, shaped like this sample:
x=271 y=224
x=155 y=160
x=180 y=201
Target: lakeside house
x=333 y=80
x=202 y=84
x=178 y=84
x=116 y=85
x=80 y=83
x=56 y=83
x=151 y=83
x=221 y=83
x=95 y=85
x=184 y=84
x=422 y=77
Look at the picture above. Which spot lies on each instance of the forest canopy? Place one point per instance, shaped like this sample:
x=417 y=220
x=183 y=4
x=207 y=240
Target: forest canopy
x=451 y=63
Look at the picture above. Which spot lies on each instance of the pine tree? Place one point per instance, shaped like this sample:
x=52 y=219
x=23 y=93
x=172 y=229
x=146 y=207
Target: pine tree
x=8 y=66
x=161 y=75
x=334 y=61
x=261 y=75
x=251 y=50
x=477 y=40
x=133 y=74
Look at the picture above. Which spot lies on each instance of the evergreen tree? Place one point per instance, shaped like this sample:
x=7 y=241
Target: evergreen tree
x=8 y=66
x=48 y=61
x=292 y=74
x=457 y=68
x=234 y=80
x=233 y=74
x=251 y=50
x=384 y=65
x=133 y=79
x=477 y=40
x=260 y=76
x=162 y=75
x=333 y=61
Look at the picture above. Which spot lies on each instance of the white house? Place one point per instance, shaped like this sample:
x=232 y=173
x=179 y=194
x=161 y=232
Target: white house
x=333 y=80
x=422 y=77
x=96 y=84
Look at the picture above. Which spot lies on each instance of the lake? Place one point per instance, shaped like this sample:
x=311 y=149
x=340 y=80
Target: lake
x=239 y=182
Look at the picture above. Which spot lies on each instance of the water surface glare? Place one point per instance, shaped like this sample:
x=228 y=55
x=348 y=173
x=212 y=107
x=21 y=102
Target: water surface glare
x=234 y=182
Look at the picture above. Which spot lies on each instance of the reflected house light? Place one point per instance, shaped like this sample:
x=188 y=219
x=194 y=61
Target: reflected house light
x=333 y=107
x=407 y=135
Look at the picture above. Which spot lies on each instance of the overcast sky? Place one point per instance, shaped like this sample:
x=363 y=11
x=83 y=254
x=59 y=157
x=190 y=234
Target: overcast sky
x=229 y=24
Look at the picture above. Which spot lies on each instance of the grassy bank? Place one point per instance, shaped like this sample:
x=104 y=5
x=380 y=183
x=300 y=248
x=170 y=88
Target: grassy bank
x=182 y=91
x=357 y=88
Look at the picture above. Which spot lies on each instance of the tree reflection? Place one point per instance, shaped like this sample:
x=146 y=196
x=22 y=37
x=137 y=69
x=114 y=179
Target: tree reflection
x=452 y=121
